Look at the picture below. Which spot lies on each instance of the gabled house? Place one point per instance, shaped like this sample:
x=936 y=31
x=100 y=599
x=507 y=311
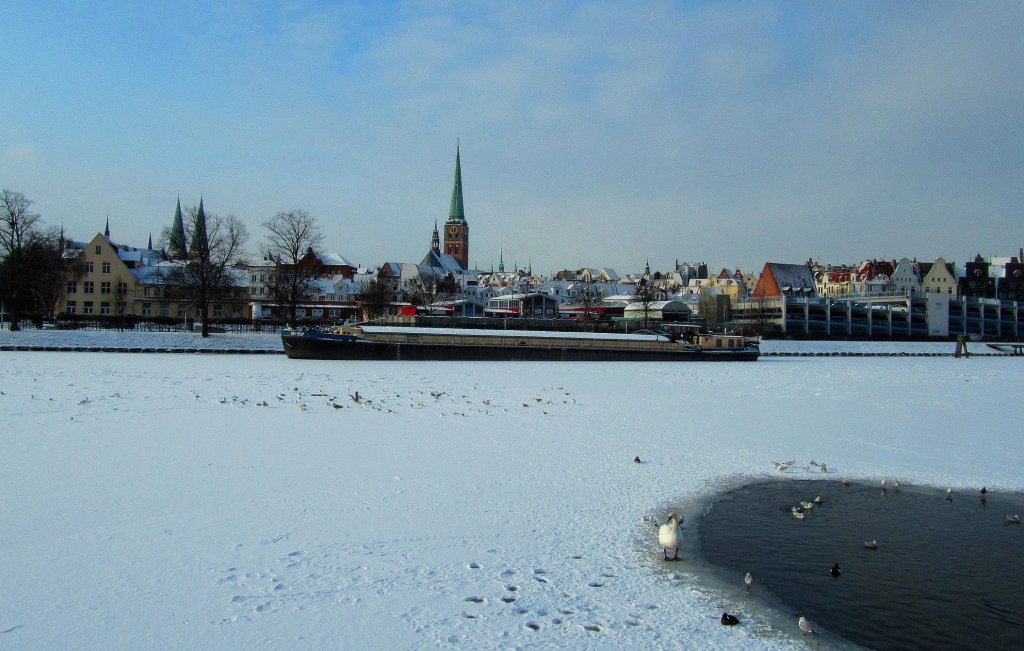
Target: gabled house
x=939 y=278
x=779 y=279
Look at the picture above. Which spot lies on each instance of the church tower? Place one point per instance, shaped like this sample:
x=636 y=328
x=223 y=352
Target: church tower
x=456 y=230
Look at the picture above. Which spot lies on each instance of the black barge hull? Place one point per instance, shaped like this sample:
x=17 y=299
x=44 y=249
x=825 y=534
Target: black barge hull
x=339 y=347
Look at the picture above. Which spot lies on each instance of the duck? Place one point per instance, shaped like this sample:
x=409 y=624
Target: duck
x=748 y=580
x=805 y=626
x=896 y=486
x=949 y=494
x=817 y=500
x=1013 y=519
x=799 y=515
x=845 y=482
x=836 y=571
x=871 y=544
x=668 y=537
x=807 y=505
x=729 y=620
x=824 y=468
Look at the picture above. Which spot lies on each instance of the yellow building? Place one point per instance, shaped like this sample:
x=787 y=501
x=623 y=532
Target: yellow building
x=121 y=280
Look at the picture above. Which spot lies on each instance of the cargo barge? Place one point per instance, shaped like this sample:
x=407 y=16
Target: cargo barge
x=403 y=343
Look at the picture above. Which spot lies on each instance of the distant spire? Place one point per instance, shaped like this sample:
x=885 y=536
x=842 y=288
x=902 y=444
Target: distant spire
x=501 y=261
x=435 y=240
x=106 y=229
x=200 y=244
x=177 y=245
x=457 y=213
x=150 y=245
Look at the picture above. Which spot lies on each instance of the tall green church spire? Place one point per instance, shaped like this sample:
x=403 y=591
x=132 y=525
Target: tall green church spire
x=457 y=215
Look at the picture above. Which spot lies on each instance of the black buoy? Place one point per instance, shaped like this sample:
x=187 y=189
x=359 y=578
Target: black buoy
x=729 y=620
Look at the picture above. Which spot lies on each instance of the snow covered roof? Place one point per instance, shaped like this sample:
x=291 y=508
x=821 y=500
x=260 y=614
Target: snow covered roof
x=334 y=260
x=792 y=277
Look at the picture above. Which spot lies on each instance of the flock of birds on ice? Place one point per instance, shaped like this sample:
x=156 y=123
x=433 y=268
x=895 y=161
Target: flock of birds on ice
x=670 y=535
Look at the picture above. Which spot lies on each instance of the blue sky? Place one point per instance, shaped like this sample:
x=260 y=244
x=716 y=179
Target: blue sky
x=592 y=134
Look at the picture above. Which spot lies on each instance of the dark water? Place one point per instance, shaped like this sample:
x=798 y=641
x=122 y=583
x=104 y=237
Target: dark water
x=945 y=575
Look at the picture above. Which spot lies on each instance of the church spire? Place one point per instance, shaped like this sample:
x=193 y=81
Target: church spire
x=150 y=245
x=177 y=245
x=200 y=245
x=106 y=229
x=435 y=240
x=501 y=261
x=457 y=214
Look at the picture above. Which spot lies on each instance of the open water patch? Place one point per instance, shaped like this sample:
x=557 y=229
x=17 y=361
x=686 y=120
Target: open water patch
x=945 y=573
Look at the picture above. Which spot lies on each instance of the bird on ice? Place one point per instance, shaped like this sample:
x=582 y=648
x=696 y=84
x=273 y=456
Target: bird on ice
x=668 y=537
x=949 y=494
x=748 y=580
x=871 y=544
x=1013 y=519
x=636 y=459
x=805 y=626
x=836 y=571
x=896 y=486
x=983 y=490
x=729 y=620
x=824 y=468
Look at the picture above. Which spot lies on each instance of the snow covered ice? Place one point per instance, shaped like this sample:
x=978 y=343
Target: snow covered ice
x=234 y=501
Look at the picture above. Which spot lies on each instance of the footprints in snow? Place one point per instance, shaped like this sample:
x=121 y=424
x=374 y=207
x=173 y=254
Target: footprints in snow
x=519 y=593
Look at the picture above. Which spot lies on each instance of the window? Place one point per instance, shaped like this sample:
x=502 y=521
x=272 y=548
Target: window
x=72 y=287
x=87 y=287
x=105 y=307
x=106 y=267
x=217 y=309
x=147 y=309
x=99 y=249
x=105 y=287
x=145 y=291
x=87 y=307
x=71 y=308
x=181 y=310
x=165 y=309
x=122 y=288
x=88 y=267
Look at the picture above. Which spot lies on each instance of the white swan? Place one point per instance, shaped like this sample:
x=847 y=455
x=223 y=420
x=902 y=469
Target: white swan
x=799 y=515
x=668 y=536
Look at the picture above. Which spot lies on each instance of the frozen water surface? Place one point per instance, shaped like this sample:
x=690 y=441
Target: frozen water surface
x=187 y=501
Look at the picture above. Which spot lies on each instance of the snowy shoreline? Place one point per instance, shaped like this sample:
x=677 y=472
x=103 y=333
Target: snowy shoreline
x=251 y=500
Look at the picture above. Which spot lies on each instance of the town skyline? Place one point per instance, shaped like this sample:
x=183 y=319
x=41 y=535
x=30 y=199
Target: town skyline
x=590 y=135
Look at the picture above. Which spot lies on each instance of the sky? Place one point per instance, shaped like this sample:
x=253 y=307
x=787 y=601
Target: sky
x=592 y=134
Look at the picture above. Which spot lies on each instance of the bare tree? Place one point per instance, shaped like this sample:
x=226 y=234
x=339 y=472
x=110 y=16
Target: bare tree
x=589 y=298
x=375 y=298
x=422 y=290
x=210 y=270
x=293 y=242
x=17 y=232
x=646 y=294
